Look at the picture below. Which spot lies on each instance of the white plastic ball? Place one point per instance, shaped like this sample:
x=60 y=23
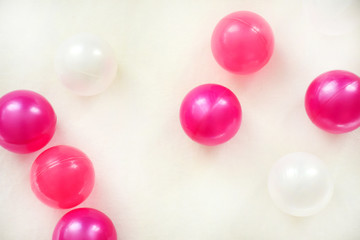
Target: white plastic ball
x=86 y=64
x=300 y=184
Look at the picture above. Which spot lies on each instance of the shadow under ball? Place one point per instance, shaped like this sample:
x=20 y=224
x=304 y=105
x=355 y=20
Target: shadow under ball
x=332 y=101
x=242 y=42
x=210 y=114
x=27 y=121
x=85 y=223
x=62 y=177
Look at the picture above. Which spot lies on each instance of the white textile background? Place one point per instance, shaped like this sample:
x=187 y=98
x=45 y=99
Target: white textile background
x=151 y=179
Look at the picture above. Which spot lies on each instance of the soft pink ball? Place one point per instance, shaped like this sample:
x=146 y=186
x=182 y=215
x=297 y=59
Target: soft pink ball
x=62 y=177
x=332 y=101
x=210 y=114
x=242 y=42
x=84 y=223
x=27 y=121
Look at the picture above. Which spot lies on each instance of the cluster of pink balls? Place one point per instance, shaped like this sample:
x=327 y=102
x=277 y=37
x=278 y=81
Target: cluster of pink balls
x=243 y=43
x=61 y=176
x=210 y=114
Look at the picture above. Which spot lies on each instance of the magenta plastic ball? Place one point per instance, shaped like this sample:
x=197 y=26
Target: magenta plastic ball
x=27 y=121
x=84 y=224
x=242 y=42
x=332 y=101
x=62 y=177
x=210 y=114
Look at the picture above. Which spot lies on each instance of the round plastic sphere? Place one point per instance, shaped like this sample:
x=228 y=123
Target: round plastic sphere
x=84 y=223
x=299 y=184
x=86 y=64
x=210 y=114
x=62 y=177
x=332 y=101
x=242 y=42
x=27 y=121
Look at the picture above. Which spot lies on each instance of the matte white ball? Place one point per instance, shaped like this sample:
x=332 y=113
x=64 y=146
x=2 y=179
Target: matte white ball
x=86 y=64
x=300 y=184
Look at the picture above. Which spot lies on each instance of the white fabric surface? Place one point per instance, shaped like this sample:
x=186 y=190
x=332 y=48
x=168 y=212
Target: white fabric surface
x=151 y=179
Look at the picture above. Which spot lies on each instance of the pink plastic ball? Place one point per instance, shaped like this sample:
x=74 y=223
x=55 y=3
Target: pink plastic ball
x=84 y=223
x=242 y=42
x=62 y=177
x=210 y=114
x=27 y=121
x=332 y=101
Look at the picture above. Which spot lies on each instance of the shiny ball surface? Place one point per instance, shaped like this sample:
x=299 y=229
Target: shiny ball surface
x=27 y=121
x=242 y=42
x=86 y=64
x=62 y=177
x=300 y=184
x=332 y=101
x=210 y=114
x=85 y=224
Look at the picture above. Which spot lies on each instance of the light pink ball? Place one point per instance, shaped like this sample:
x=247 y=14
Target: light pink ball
x=62 y=177
x=242 y=42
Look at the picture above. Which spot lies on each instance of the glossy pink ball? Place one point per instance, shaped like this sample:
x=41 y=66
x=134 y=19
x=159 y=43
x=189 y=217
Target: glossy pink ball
x=62 y=177
x=242 y=42
x=332 y=101
x=27 y=121
x=210 y=114
x=84 y=224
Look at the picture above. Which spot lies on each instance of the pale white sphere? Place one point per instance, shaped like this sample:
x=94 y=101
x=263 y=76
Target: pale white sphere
x=86 y=64
x=300 y=184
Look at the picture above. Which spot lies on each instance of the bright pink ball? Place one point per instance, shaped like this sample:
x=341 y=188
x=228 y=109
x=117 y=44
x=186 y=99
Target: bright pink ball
x=332 y=101
x=27 y=121
x=242 y=42
x=62 y=177
x=210 y=114
x=84 y=224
